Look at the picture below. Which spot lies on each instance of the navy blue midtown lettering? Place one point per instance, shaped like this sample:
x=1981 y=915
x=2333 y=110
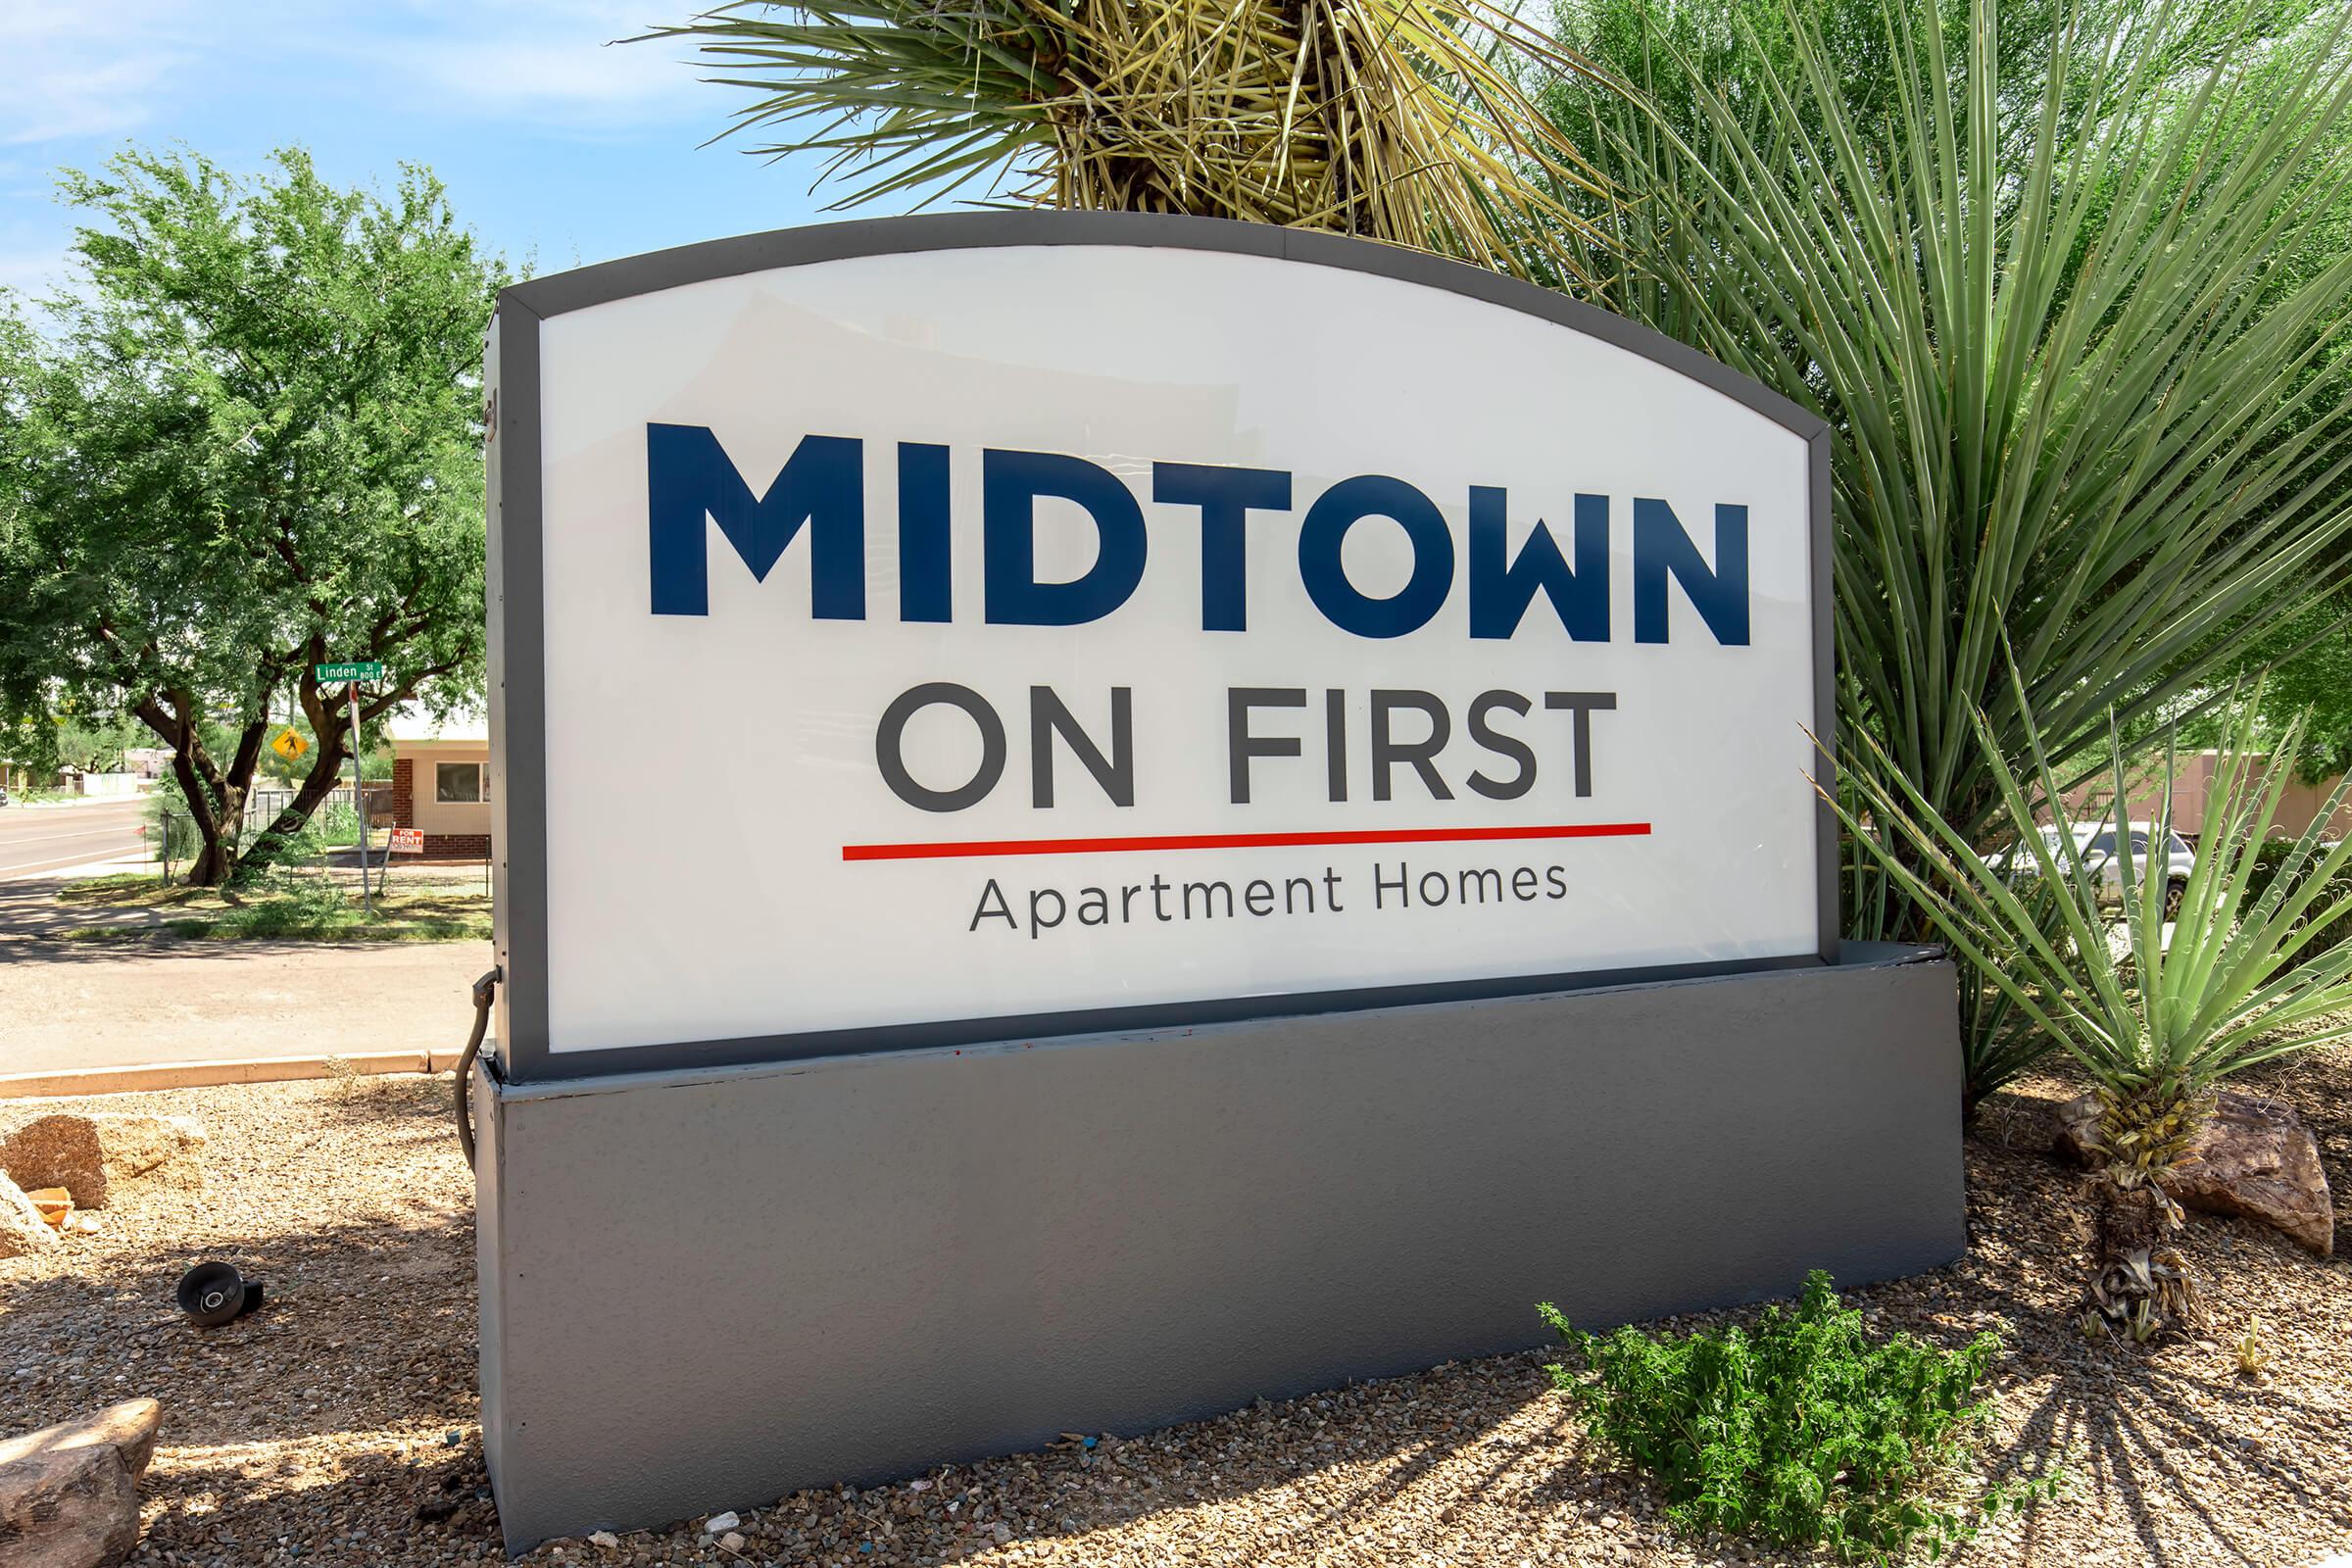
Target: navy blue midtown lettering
x=688 y=476
x=692 y=483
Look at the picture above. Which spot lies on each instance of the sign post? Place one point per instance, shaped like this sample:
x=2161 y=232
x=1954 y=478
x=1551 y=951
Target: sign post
x=351 y=675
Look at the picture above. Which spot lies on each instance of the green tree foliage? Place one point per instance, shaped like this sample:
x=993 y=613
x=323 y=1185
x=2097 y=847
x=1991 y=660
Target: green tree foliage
x=251 y=443
x=86 y=742
x=2304 y=666
x=1740 y=51
x=2068 y=285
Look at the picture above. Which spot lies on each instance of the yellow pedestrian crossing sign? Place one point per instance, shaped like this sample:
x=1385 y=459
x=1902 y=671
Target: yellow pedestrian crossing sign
x=289 y=745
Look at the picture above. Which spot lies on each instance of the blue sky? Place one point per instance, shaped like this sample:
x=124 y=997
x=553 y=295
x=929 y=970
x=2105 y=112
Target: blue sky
x=555 y=147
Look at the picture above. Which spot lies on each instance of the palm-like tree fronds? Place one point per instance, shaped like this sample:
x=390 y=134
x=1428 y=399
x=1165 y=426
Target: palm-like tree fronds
x=2158 y=1013
x=2161 y=1012
x=2083 y=356
x=1398 y=119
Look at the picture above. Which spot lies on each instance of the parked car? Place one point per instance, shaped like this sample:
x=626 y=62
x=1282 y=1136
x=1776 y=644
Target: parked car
x=2095 y=844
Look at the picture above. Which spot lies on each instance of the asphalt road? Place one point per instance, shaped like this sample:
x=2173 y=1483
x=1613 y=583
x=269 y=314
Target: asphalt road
x=43 y=839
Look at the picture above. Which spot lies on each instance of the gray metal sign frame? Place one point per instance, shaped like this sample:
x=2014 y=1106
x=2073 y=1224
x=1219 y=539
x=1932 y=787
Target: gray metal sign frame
x=518 y=642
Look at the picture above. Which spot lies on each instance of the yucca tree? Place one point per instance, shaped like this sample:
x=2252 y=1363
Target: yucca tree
x=1400 y=119
x=2082 y=350
x=2159 y=1013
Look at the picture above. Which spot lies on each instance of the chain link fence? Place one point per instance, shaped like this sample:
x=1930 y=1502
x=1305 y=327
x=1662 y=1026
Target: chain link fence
x=325 y=850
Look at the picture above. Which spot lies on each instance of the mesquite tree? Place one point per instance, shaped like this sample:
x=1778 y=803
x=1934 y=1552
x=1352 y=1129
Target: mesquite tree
x=251 y=443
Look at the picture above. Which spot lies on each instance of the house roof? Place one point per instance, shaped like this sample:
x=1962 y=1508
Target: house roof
x=413 y=724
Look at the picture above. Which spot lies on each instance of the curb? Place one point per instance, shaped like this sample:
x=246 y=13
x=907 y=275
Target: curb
x=209 y=1074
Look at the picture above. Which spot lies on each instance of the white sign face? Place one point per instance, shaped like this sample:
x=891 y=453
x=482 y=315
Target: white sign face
x=1062 y=628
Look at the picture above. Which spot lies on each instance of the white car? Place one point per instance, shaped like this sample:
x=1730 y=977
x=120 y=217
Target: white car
x=2094 y=843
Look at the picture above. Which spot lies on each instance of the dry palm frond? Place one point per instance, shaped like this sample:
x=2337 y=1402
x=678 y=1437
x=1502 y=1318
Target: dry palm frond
x=1398 y=119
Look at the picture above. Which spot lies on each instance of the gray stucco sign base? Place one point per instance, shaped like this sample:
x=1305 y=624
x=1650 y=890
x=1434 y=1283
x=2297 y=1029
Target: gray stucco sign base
x=704 y=1290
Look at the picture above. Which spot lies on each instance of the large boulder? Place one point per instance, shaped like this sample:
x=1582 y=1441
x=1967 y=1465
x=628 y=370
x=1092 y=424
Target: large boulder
x=22 y=1228
x=2253 y=1158
x=69 y=1493
x=90 y=1156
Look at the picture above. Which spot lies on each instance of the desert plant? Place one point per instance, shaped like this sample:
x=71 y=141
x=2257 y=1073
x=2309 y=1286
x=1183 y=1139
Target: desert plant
x=2274 y=854
x=1395 y=119
x=1802 y=1430
x=2076 y=317
x=2158 y=1013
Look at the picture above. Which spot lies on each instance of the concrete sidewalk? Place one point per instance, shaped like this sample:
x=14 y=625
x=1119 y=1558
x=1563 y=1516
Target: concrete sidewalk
x=66 y=1005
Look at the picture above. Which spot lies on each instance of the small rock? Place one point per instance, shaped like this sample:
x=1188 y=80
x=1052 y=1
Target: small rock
x=732 y=1541
x=23 y=1230
x=88 y=1155
x=69 y=1493
x=2253 y=1158
x=604 y=1539
x=720 y=1523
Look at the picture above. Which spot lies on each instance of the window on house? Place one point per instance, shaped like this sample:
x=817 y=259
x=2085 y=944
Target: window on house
x=460 y=783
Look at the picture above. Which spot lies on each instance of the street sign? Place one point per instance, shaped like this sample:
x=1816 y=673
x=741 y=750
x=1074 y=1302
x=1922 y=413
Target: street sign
x=289 y=745
x=351 y=672
x=408 y=841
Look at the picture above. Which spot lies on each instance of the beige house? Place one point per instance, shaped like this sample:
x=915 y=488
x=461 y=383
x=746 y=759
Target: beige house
x=441 y=784
x=2192 y=785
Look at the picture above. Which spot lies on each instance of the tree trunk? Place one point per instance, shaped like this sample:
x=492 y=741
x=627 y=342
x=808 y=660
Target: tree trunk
x=2140 y=1284
x=332 y=723
x=193 y=771
x=216 y=799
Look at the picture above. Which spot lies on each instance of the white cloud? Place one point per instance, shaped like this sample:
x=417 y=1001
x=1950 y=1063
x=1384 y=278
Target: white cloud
x=32 y=272
x=540 y=61
x=83 y=68
x=102 y=68
x=576 y=79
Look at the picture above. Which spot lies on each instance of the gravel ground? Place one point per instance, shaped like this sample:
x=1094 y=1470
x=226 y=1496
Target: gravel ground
x=340 y=1426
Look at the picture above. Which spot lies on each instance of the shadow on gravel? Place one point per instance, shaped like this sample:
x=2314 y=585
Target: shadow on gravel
x=2148 y=1413
x=374 y=1503
x=368 y=1319
x=350 y=1311
x=2154 y=1437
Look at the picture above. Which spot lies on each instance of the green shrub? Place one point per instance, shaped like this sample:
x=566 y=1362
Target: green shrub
x=1802 y=1430
x=170 y=831
x=332 y=826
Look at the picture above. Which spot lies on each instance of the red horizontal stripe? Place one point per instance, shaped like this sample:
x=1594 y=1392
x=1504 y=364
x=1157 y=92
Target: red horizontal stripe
x=1235 y=841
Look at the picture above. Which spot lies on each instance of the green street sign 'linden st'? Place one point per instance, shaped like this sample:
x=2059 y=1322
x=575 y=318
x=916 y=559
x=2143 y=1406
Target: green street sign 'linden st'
x=368 y=670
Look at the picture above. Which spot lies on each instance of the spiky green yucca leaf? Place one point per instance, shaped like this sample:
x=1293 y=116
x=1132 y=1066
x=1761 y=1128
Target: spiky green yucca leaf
x=2159 y=1017
x=2084 y=362
x=1394 y=119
